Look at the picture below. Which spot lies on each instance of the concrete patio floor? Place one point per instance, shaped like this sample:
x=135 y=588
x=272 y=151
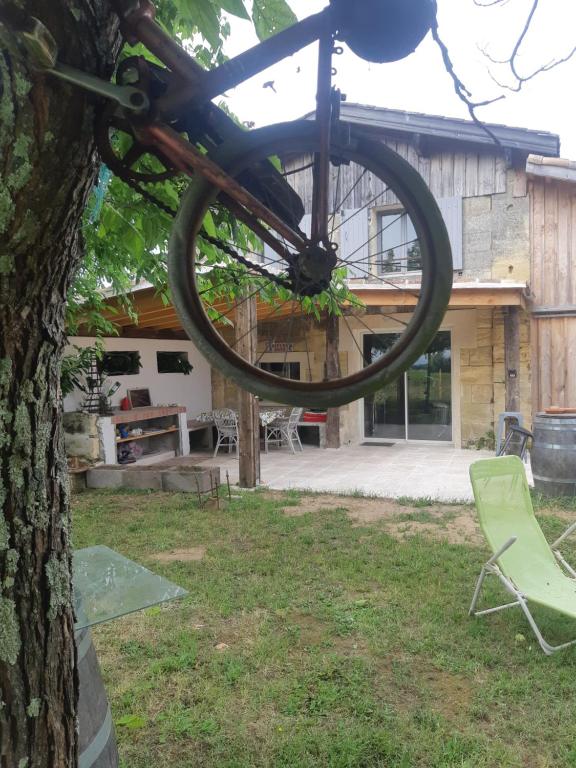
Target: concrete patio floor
x=402 y=469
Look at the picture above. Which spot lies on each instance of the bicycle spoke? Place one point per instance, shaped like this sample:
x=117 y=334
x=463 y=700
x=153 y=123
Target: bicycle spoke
x=382 y=314
x=335 y=207
x=353 y=337
x=246 y=298
x=292 y=333
x=363 y=208
x=351 y=191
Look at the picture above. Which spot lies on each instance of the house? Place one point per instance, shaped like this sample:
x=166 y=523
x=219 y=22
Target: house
x=493 y=202
x=552 y=194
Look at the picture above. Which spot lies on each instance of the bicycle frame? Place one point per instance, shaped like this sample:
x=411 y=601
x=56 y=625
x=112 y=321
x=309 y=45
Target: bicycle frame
x=188 y=83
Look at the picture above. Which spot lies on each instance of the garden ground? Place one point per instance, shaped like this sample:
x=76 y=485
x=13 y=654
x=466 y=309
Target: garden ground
x=323 y=630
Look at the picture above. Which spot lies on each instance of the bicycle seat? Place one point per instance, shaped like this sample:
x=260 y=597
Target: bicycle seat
x=383 y=30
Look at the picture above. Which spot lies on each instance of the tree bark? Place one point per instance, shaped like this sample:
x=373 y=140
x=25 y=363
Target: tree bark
x=249 y=421
x=47 y=168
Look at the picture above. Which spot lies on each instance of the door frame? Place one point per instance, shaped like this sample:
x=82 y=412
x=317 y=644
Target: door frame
x=450 y=324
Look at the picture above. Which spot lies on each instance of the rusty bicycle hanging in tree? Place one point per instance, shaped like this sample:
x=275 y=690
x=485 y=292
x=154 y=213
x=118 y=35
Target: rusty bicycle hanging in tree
x=291 y=191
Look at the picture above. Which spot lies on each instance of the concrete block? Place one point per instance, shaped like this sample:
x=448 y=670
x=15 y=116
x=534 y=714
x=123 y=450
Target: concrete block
x=189 y=482
x=82 y=446
x=104 y=478
x=142 y=480
x=78 y=422
x=77 y=481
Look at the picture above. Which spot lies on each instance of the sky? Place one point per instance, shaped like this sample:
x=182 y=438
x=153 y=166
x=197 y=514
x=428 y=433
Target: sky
x=420 y=82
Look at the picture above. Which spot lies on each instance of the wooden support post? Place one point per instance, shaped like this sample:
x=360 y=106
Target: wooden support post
x=512 y=358
x=249 y=421
x=332 y=371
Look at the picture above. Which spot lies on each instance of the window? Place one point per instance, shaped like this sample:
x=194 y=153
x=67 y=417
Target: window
x=399 y=249
x=120 y=363
x=288 y=370
x=173 y=362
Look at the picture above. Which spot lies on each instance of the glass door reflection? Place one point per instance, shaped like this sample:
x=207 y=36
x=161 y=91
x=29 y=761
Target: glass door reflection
x=385 y=410
x=430 y=392
x=418 y=405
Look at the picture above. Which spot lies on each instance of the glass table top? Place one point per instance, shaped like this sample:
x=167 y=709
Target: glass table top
x=108 y=585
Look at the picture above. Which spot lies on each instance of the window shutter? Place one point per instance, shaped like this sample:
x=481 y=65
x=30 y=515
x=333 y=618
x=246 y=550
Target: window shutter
x=354 y=241
x=272 y=259
x=451 y=210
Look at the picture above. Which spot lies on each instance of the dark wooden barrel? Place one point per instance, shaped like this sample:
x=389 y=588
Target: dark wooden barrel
x=553 y=455
x=97 y=739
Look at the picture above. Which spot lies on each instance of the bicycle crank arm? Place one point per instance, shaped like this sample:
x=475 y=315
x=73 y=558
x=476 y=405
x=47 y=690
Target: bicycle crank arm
x=128 y=97
x=43 y=52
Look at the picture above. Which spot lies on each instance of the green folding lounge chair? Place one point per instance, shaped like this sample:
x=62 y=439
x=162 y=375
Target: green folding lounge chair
x=532 y=570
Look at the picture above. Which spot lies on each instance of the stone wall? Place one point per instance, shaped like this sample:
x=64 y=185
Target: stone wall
x=308 y=341
x=81 y=436
x=496 y=233
x=482 y=377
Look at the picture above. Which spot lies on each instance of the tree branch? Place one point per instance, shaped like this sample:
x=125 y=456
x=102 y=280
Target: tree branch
x=461 y=90
x=512 y=60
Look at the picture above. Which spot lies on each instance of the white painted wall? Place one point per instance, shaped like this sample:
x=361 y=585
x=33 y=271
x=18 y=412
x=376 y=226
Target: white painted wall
x=193 y=391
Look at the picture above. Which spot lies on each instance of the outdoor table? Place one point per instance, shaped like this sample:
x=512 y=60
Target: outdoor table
x=106 y=585
x=266 y=415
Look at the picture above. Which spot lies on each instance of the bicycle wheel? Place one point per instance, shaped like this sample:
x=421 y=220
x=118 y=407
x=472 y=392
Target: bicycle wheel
x=390 y=245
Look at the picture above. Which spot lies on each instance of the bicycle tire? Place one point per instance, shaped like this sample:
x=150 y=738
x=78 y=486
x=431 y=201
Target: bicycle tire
x=352 y=146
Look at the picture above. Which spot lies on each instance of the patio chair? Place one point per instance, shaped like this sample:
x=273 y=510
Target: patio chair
x=530 y=569
x=226 y=422
x=516 y=442
x=285 y=430
x=273 y=434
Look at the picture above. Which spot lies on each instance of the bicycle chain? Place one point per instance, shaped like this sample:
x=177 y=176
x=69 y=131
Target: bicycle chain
x=283 y=282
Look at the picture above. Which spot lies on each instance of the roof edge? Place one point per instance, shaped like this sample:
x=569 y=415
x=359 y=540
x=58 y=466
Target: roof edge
x=525 y=140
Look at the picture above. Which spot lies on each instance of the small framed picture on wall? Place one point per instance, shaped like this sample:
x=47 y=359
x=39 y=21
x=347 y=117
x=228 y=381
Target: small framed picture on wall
x=139 y=398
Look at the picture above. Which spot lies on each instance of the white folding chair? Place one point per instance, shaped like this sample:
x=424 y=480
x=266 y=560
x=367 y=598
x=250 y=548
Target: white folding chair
x=226 y=422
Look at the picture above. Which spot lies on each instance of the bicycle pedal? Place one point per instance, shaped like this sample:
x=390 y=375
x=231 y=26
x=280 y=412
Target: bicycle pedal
x=39 y=44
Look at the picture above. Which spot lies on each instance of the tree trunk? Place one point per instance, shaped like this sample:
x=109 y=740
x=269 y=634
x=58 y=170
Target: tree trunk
x=249 y=421
x=332 y=371
x=47 y=167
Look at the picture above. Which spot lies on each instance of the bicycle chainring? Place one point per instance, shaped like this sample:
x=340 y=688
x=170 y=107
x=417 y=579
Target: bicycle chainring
x=111 y=129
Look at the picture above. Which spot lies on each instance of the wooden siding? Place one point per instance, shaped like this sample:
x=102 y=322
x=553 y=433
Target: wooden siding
x=447 y=174
x=553 y=285
x=553 y=243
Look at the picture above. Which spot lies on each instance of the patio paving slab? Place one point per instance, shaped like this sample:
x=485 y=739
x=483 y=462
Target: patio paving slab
x=439 y=472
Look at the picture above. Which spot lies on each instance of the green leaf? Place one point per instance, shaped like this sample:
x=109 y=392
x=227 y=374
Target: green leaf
x=271 y=16
x=131 y=721
x=235 y=7
x=203 y=15
x=209 y=225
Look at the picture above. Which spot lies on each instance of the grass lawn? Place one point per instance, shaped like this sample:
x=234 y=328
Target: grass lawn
x=325 y=631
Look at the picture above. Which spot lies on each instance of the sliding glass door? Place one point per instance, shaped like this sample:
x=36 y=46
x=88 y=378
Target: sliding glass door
x=418 y=405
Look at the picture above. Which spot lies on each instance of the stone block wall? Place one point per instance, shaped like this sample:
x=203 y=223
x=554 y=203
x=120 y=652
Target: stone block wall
x=483 y=376
x=81 y=436
x=496 y=233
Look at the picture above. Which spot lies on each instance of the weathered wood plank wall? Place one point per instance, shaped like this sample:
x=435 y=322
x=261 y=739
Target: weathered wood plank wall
x=553 y=285
x=448 y=174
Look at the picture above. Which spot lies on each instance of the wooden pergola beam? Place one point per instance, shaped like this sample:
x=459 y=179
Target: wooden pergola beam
x=154 y=315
